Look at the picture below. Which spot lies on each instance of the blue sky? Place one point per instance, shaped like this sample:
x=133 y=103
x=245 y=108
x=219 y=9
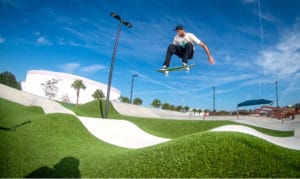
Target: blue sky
x=254 y=42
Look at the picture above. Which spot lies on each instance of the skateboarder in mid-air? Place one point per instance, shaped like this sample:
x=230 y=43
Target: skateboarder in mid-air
x=183 y=47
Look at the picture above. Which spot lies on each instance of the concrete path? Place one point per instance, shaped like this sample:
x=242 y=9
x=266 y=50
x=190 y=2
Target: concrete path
x=287 y=142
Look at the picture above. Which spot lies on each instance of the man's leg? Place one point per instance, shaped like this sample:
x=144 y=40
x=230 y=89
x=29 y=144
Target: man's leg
x=188 y=52
x=172 y=49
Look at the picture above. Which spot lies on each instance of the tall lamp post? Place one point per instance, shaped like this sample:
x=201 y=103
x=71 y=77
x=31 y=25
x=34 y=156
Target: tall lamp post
x=214 y=99
x=277 y=111
x=133 y=76
x=127 y=24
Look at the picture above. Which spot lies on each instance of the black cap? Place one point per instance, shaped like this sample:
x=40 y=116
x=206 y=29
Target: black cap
x=179 y=27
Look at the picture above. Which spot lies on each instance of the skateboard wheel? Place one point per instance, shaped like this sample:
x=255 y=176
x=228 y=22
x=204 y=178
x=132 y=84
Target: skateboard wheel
x=166 y=73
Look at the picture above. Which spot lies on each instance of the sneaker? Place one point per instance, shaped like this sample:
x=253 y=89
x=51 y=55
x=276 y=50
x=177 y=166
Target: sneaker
x=185 y=66
x=164 y=67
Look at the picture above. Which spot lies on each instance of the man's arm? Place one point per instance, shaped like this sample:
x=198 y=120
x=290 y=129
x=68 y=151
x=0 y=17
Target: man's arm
x=210 y=58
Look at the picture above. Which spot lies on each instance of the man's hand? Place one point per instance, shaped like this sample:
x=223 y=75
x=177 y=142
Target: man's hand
x=211 y=60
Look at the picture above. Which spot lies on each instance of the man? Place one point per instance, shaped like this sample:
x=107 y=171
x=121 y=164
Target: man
x=183 y=47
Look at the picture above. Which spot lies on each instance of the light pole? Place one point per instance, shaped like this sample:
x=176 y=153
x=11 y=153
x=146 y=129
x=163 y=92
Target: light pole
x=127 y=24
x=132 y=87
x=214 y=99
x=277 y=112
x=276 y=84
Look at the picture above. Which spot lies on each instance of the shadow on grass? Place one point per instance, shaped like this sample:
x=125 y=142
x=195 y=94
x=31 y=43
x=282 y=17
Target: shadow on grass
x=14 y=127
x=68 y=167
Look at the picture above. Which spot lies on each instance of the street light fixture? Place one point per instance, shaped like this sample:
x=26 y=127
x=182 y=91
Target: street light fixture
x=133 y=76
x=127 y=24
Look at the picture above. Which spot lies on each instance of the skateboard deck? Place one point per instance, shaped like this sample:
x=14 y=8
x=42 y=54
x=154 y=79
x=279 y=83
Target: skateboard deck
x=178 y=68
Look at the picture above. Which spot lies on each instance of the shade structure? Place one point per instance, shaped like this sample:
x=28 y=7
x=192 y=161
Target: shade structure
x=254 y=102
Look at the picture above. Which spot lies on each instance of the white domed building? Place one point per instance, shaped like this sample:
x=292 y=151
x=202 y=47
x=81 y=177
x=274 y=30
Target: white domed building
x=35 y=78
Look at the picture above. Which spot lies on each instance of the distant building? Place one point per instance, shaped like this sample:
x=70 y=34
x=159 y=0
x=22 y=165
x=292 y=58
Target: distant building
x=35 y=78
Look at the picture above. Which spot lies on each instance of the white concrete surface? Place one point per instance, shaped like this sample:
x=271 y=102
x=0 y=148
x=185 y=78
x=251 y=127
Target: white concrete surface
x=142 y=111
x=287 y=142
x=120 y=132
x=117 y=132
x=28 y=99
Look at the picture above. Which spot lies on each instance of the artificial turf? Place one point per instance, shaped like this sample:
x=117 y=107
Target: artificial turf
x=34 y=144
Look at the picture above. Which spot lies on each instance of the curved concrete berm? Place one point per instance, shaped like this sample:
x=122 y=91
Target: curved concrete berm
x=120 y=132
x=117 y=132
x=28 y=99
x=287 y=142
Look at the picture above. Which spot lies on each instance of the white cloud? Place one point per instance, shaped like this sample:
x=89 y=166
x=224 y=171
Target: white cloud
x=43 y=41
x=70 y=67
x=2 y=40
x=74 y=66
x=92 y=68
x=62 y=41
x=282 y=60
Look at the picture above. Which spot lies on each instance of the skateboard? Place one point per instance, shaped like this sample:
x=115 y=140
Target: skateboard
x=178 y=68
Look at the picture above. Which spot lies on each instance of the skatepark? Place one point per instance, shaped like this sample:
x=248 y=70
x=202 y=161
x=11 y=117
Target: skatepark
x=126 y=134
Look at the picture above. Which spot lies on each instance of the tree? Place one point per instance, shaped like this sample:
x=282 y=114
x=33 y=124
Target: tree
x=66 y=99
x=77 y=85
x=156 y=103
x=172 y=108
x=98 y=94
x=124 y=99
x=165 y=106
x=50 y=88
x=9 y=79
x=194 y=111
x=199 y=111
x=186 y=109
x=137 y=101
x=179 y=108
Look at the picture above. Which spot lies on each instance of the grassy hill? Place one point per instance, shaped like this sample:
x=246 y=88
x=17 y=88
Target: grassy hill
x=34 y=144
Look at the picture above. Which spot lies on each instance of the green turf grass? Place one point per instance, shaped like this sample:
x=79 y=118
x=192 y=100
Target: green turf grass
x=162 y=127
x=57 y=145
x=209 y=154
x=44 y=140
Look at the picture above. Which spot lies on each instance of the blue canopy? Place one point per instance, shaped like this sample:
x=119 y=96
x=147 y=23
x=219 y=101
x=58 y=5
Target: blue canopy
x=254 y=102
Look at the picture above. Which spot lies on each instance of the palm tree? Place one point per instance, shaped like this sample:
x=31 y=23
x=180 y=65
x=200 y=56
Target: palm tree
x=77 y=85
x=199 y=111
x=179 y=108
x=98 y=94
x=186 y=109
x=165 y=106
x=194 y=111
x=124 y=99
x=156 y=103
x=137 y=101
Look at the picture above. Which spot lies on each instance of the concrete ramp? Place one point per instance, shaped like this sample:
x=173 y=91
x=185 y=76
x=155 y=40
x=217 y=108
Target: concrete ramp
x=147 y=112
x=287 y=142
x=126 y=134
x=120 y=133
x=28 y=99
x=117 y=132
